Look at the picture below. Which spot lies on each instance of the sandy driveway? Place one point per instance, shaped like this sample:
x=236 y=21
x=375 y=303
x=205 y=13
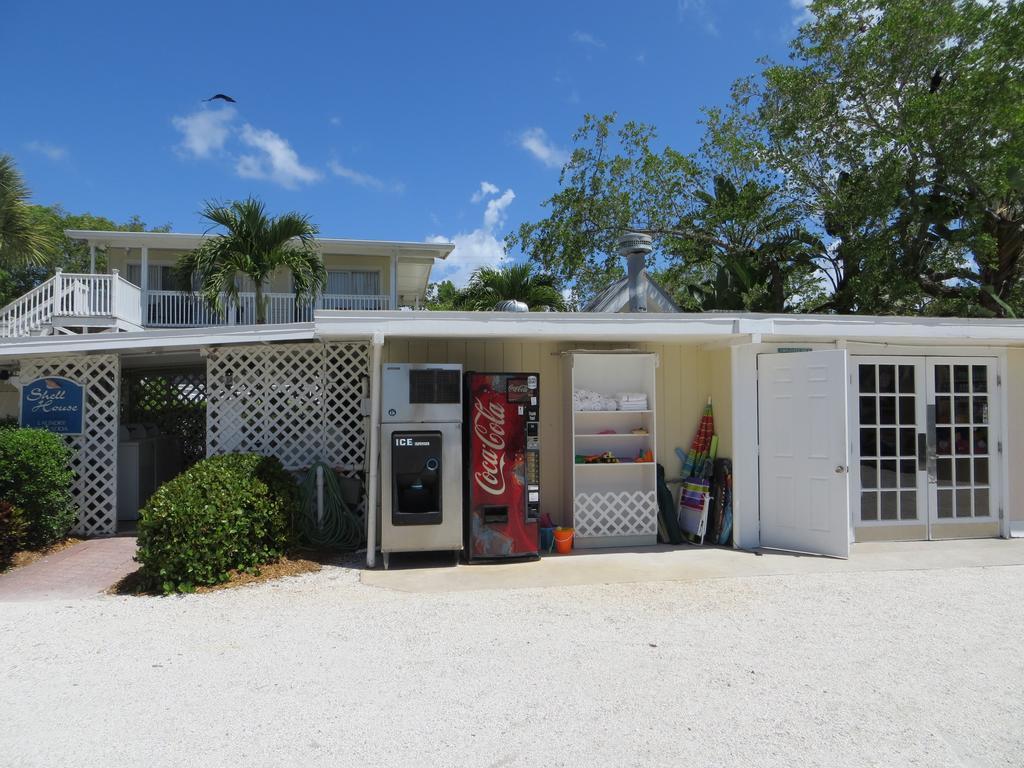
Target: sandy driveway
x=903 y=668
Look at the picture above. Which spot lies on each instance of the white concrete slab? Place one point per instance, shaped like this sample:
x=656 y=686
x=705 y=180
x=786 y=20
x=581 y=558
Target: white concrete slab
x=686 y=563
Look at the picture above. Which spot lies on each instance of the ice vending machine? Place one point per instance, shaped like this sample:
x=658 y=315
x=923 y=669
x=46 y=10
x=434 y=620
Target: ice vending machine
x=421 y=458
x=502 y=457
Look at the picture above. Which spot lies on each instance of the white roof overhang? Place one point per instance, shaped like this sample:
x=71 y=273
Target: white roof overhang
x=187 y=241
x=142 y=342
x=673 y=327
x=707 y=328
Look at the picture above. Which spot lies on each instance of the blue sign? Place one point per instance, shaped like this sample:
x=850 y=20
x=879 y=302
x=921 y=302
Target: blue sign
x=53 y=403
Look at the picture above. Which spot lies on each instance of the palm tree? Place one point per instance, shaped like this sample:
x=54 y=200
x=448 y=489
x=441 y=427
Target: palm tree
x=22 y=240
x=255 y=246
x=490 y=285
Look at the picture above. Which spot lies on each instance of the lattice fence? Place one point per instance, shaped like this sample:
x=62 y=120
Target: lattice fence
x=95 y=450
x=623 y=513
x=299 y=402
x=173 y=400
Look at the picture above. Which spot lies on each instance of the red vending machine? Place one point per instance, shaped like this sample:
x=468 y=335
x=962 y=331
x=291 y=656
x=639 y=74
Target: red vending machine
x=502 y=482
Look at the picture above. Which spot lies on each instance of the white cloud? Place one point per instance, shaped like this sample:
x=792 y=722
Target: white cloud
x=536 y=142
x=486 y=189
x=494 y=214
x=205 y=131
x=276 y=160
x=698 y=10
x=585 y=38
x=52 y=151
x=335 y=120
x=479 y=248
x=802 y=7
x=356 y=177
x=641 y=58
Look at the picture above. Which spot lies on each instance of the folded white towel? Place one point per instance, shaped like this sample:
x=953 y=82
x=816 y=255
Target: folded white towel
x=631 y=396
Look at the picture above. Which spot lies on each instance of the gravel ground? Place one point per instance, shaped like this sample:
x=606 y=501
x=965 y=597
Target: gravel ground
x=918 y=668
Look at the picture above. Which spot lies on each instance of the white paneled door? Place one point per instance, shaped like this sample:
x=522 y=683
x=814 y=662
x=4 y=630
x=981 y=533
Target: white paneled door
x=802 y=440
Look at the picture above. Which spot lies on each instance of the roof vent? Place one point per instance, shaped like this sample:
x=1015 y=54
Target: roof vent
x=511 y=305
x=635 y=243
x=634 y=248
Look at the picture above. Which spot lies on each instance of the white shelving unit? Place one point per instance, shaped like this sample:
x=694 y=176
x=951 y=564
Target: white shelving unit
x=613 y=505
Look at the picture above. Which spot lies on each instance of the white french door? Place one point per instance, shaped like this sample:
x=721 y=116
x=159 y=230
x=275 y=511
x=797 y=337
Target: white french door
x=923 y=447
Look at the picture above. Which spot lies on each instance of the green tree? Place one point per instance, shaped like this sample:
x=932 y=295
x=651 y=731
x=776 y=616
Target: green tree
x=900 y=132
x=254 y=245
x=724 y=236
x=442 y=297
x=614 y=181
x=517 y=282
x=69 y=255
x=22 y=241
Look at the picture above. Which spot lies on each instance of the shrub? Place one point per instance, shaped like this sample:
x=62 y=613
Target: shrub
x=229 y=512
x=12 y=532
x=36 y=476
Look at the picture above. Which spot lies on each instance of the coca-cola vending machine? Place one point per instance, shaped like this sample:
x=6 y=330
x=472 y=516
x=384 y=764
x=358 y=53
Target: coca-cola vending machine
x=502 y=484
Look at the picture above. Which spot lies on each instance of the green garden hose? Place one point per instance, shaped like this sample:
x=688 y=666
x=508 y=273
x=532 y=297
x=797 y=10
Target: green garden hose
x=340 y=527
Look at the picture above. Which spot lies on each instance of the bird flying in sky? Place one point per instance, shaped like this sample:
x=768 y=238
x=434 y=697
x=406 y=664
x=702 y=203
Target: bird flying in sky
x=222 y=97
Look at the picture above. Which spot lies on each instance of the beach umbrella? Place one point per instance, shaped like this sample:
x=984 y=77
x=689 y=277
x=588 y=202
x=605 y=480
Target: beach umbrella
x=700 y=449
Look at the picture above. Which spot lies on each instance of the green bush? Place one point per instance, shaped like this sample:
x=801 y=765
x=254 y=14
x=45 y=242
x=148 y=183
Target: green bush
x=36 y=476
x=230 y=512
x=12 y=532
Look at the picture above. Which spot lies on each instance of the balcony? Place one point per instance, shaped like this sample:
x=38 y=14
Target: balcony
x=175 y=309
x=72 y=303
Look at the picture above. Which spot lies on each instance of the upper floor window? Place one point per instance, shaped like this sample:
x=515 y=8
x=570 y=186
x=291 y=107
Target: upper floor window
x=353 y=282
x=161 y=278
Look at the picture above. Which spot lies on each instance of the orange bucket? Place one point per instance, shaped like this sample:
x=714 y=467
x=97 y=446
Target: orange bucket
x=563 y=540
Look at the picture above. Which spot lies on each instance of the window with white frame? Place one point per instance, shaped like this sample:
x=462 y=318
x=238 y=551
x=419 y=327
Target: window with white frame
x=351 y=282
x=161 y=277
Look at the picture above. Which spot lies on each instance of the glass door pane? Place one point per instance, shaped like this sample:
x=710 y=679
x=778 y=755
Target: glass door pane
x=889 y=414
x=964 y=455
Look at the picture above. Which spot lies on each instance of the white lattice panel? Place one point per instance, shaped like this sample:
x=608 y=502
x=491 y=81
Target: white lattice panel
x=95 y=450
x=616 y=513
x=298 y=402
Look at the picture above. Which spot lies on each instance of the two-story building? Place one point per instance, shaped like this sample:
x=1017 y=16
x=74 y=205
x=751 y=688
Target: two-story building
x=840 y=429
x=140 y=289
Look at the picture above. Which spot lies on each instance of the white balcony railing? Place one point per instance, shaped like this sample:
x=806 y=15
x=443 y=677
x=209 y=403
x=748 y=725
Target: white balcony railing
x=175 y=309
x=94 y=298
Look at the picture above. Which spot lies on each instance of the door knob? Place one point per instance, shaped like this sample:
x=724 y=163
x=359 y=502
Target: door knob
x=840 y=469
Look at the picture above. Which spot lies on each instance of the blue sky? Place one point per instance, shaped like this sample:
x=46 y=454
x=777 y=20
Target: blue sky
x=384 y=120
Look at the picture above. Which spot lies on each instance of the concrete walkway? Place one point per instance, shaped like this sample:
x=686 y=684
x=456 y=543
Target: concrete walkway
x=84 y=570
x=422 y=573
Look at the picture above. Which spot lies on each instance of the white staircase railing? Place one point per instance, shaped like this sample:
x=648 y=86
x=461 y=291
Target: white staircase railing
x=31 y=312
x=72 y=296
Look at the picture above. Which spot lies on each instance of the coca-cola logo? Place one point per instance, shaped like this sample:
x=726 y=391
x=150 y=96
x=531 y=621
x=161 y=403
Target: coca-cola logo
x=489 y=427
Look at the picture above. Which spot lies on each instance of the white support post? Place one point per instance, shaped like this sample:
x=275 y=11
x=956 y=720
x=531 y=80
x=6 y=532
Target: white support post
x=394 y=280
x=374 y=451
x=745 y=492
x=92 y=258
x=144 y=284
x=58 y=285
x=113 y=291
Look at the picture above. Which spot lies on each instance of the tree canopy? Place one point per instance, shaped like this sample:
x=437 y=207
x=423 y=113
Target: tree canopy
x=879 y=170
x=254 y=245
x=488 y=286
x=22 y=241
